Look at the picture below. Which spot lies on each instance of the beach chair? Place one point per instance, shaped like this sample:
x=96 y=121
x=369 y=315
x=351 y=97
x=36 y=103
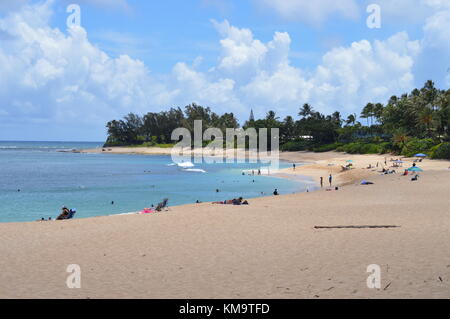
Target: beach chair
x=163 y=205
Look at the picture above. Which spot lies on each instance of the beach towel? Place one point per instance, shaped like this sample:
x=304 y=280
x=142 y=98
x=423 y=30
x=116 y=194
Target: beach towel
x=147 y=211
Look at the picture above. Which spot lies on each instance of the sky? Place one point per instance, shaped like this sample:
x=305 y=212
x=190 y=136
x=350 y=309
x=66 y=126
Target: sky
x=60 y=81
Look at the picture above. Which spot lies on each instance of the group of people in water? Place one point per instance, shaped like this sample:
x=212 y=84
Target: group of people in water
x=258 y=172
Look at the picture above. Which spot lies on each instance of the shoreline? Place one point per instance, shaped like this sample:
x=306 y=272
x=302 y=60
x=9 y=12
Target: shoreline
x=314 y=166
x=268 y=249
x=160 y=151
x=309 y=172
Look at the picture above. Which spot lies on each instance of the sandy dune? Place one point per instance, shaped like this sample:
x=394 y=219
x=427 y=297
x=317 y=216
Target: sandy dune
x=269 y=249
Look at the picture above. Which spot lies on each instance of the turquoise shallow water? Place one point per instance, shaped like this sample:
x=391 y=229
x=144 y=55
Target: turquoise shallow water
x=48 y=179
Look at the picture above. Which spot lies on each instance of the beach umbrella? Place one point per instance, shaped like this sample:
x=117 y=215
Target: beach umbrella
x=421 y=155
x=415 y=169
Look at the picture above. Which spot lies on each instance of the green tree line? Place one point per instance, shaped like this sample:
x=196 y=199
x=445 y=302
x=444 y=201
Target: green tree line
x=407 y=124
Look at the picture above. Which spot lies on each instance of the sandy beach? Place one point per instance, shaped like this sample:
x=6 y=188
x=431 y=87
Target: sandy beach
x=269 y=249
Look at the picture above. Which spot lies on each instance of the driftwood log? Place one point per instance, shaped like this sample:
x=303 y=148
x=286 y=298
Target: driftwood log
x=356 y=227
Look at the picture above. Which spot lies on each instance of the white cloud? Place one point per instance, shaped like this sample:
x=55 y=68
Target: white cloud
x=437 y=30
x=434 y=60
x=49 y=77
x=347 y=78
x=64 y=77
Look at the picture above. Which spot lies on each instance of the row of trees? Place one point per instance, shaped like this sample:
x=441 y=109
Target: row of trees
x=157 y=128
x=422 y=114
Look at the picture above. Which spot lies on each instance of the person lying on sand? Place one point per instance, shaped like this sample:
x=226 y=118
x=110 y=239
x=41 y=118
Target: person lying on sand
x=64 y=214
x=234 y=201
x=226 y=202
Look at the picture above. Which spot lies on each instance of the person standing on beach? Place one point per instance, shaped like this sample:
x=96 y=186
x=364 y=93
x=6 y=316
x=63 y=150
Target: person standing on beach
x=321 y=182
x=275 y=193
x=293 y=165
x=330 y=179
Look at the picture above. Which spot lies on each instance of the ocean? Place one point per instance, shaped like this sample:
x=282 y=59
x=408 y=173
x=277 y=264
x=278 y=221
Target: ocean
x=38 y=178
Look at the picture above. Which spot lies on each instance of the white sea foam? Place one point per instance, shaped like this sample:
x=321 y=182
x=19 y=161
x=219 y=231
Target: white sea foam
x=185 y=165
x=198 y=170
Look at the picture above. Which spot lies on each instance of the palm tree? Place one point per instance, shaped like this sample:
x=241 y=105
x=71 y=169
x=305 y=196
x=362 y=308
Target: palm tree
x=336 y=117
x=367 y=112
x=351 y=120
x=306 y=110
x=378 y=111
x=443 y=113
x=271 y=116
x=401 y=139
x=426 y=118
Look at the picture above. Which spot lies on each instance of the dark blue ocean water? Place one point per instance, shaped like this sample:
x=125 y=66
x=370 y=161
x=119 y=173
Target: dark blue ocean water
x=49 y=179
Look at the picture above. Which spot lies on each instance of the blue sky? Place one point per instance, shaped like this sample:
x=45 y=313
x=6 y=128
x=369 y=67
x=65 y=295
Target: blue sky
x=139 y=56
